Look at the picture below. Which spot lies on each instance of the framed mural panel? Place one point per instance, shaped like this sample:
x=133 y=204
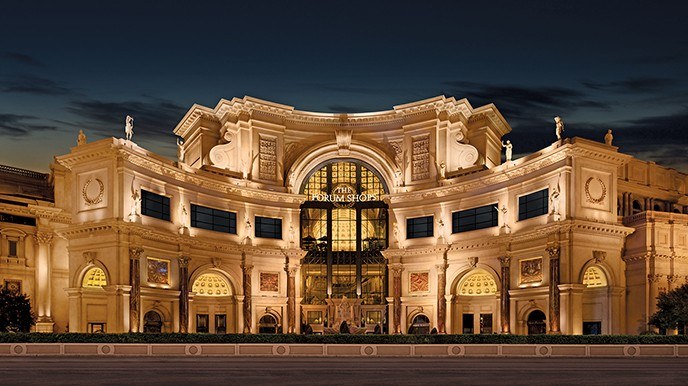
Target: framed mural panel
x=419 y=282
x=269 y=282
x=158 y=271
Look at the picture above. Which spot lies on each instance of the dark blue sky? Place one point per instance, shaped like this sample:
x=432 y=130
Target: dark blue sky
x=66 y=66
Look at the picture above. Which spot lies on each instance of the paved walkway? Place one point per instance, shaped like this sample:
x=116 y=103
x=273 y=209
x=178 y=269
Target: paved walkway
x=342 y=371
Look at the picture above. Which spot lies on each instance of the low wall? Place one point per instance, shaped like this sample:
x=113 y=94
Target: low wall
x=335 y=350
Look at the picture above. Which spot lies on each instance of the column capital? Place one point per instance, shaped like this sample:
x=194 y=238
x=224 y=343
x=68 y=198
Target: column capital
x=43 y=237
x=292 y=270
x=184 y=261
x=505 y=261
x=654 y=278
x=135 y=253
x=396 y=269
x=247 y=268
x=554 y=251
x=441 y=268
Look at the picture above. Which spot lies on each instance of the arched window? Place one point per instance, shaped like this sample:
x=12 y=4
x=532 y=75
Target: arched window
x=637 y=208
x=420 y=325
x=211 y=284
x=94 y=278
x=537 y=323
x=478 y=283
x=594 y=277
x=344 y=228
x=152 y=322
x=267 y=324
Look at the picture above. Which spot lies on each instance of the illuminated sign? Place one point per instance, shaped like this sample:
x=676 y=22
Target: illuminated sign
x=344 y=196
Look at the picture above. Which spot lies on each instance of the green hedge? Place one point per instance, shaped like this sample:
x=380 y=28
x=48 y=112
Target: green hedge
x=342 y=339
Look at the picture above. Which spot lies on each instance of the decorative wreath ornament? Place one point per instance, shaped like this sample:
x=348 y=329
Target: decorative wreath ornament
x=98 y=198
x=603 y=194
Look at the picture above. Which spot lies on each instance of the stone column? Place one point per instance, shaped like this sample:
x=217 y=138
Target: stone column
x=44 y=322
x=291 y=299
x=504 y=301
x=396 y=291
x=441 y=300
x=135 y=283
x=554 y=306
x=247 y=297
x=184 y=294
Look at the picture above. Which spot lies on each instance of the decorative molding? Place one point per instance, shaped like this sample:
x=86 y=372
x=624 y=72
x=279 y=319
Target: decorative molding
x=43 y=237
x=599 y=256
x=420 y=155
x=267 y=158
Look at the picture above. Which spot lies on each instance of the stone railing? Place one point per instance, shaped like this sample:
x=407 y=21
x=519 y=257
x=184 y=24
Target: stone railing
x=342 y=350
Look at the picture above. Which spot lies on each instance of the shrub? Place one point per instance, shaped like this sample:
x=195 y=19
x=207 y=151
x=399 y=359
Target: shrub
x=15 y=312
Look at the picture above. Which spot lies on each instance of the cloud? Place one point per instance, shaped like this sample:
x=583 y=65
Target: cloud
x=153 y=117
x=631 y=85
x=22 y=58
x=14 y=125
x=33 y=85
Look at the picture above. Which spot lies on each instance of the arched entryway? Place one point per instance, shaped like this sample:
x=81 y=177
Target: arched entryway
x=213 y=308
x=267 y=324
x=420 y=325
x=537 y=323
x=152 y=322
x=595 y=301
x=475 y=303
x=344 y=229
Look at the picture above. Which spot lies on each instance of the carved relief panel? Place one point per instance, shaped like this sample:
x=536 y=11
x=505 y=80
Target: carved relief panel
x=420 y=157
x=531 y=271
x=269 y=282
x=418 y=282
x=267 y=158
x=596 y=188
x=92 y=190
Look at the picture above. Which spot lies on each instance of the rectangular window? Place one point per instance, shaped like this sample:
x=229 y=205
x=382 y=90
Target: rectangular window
x=486 y=323
x=202 y=321
x=476 y=218
x=419 y=227
x=467 y=323
x=269 y=228
x=221 y=323
x=12 y=248
x=4 y=217
x=155 y=205
x=533 y=204
x=95 y=328
x=213 y=219
x=592 y=328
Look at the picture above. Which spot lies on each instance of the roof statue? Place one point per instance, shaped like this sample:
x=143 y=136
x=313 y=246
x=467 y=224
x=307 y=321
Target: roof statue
x=129 y=127
x=560 y=126
x=608 y=138
x=81 y=139
x=509 y=150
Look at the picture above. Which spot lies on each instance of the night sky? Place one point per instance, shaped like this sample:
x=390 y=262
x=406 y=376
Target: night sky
x=66 y=66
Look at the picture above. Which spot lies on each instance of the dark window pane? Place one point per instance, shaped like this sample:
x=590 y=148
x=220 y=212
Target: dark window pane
x=419 y=227
x=155 y=205
x=476 y=218
x=269 y=228
x=213 y=219
x=533 y=204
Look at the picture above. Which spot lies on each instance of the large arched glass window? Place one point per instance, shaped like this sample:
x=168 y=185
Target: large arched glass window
x=344 y=228
x=94 y=278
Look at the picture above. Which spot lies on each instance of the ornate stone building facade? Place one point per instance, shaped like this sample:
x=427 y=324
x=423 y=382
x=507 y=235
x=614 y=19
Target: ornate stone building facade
x=401 y=221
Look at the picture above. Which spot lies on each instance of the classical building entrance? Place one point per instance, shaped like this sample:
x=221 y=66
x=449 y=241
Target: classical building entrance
x=343 y=230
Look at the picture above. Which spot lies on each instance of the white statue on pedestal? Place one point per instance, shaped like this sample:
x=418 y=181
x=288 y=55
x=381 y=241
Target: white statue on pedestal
x=509 y=150
x=398 y=181
x=443 y=170
x=180 y=150
x=129 y=127
x=560 y=127
x=554 y=201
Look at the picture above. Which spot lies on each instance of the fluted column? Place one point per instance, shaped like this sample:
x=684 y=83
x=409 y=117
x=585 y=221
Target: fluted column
x=184 y=294
x=135 y=283
x=43 y=283
x=291 y=299
x=505 y=305
x=554 y=306
x=396 y=291
x=441 y=300
x=247 y=297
